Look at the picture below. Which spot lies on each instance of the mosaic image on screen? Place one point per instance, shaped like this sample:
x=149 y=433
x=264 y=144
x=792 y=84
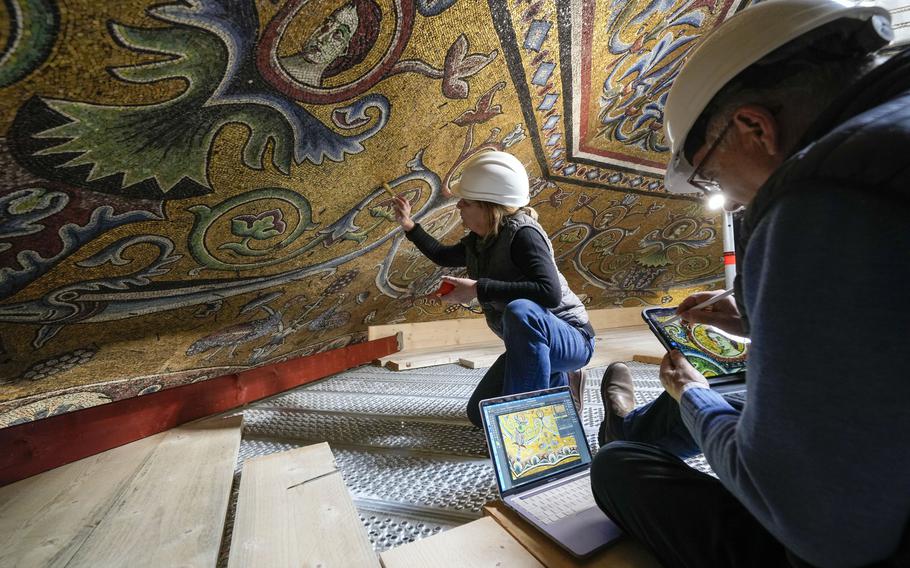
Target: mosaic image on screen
x=538 y=440
x=711 y=351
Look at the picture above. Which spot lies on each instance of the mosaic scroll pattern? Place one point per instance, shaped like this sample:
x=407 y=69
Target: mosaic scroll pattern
x=190 y=189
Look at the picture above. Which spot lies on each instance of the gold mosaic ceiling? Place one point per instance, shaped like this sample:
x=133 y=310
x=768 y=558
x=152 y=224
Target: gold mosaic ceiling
x=190 y=189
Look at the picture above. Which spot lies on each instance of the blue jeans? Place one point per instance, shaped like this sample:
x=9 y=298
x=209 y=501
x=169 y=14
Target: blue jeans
x=657 y=423
x=540 y=350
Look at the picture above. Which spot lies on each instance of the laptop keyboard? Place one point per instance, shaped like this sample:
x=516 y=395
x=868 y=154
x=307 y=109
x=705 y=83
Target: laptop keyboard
x=561 y=501
x=738 y=396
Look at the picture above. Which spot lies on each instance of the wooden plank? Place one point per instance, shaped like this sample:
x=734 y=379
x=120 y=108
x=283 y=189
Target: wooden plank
x=625 y=553
x=615 y=317
x=160 y=501
x=46 y=518
x=622 y=344
x=482 y=358
x=41 y=445
x=479 y=362
x=430 y=356
x=328 y=528
x=649 y=359
x=463 y=331
x=173 y=513
x=417 y=358
x=441 y=358
x=479 y=544
x=466 y=331
x=617 y=344
x=295 y=510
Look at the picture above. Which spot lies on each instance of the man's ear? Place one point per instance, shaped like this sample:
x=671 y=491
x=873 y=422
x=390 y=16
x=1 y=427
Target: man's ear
x=758 y=125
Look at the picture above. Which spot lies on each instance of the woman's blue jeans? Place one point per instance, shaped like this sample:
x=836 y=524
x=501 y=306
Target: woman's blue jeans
x=540 y=350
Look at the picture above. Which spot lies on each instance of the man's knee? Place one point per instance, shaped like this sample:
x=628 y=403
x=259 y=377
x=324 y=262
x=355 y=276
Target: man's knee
x=616 y=474
x=612 y=467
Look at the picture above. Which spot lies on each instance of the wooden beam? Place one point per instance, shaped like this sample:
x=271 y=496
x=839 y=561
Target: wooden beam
x=615 y=317
x=159 y=501
x=295 y=510
x=611 y=345
x=473 y=331
x=483 y=357
x=622 y=344
x=430 y=356
x=649 y=359
x=464 y=331
x=626 y=553
x=479 y=544
x=45 y=444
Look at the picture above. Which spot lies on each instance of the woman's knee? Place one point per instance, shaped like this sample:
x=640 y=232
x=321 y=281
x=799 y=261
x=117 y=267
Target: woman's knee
x=520 y=312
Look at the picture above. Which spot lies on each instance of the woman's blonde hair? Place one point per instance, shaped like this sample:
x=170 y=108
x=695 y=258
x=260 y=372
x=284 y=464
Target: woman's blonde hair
x=497 y=215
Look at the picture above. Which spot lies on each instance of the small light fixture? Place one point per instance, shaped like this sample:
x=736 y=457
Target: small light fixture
x=716 y=201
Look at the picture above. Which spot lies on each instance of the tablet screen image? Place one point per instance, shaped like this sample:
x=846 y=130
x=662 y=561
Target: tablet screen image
x=711 y=351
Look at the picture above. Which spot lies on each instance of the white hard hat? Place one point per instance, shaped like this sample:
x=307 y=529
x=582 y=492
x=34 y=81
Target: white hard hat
x=735 y=45
x=497 y=177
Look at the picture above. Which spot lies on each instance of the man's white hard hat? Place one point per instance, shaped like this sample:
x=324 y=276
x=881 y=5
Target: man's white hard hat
x=735 y=45
x=496 y=177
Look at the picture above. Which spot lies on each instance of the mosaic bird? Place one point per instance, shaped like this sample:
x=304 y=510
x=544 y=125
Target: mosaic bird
x=236 y=335
x=277 y=340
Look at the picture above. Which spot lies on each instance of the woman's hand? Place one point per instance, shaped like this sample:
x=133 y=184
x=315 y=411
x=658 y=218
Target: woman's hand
x=403 y=212
x=721 y=314
x=465 y=290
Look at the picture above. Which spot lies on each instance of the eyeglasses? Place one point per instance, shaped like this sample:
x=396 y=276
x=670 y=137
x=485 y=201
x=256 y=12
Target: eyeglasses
x=707 y=185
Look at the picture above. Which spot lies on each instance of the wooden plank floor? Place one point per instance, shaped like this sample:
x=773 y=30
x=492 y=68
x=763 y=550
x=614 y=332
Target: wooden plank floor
x=160 y=501
x=295 y=510
x=478 y=544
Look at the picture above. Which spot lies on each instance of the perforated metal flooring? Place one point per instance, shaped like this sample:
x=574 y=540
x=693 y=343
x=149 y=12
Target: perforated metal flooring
x=413 y=463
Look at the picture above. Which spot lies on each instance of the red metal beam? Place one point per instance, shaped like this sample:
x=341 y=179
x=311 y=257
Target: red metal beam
x=31 y=448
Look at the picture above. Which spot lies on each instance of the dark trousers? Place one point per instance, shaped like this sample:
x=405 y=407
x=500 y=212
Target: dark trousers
x=686 y=517
x=658 y=423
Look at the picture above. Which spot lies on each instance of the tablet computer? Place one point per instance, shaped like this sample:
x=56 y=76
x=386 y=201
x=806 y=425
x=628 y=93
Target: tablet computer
x=714 y=353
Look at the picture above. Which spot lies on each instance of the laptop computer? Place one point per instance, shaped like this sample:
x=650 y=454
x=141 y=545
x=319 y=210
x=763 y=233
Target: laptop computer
x=542 y=463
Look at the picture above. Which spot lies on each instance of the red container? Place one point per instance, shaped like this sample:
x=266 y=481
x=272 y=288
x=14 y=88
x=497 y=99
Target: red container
x=444 y=289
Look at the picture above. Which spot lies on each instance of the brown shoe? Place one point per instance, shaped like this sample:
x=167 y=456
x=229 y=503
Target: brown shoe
x=577 y=388
x=618 y=395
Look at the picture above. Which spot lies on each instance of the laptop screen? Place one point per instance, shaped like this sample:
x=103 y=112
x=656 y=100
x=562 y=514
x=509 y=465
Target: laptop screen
x=535 y=437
